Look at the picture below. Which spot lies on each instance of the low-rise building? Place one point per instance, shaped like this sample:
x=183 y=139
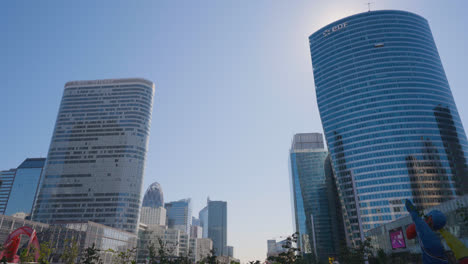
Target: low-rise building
x=175 y=242
x=83 y=234
x=391 y=237
x=200 y=248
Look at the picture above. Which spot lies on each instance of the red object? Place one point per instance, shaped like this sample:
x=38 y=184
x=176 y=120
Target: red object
x=411 y=231
x=13 y=241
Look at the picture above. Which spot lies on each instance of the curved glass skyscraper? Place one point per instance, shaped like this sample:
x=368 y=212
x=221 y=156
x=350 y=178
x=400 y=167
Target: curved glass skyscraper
x=96 y=159
x=153 y=196
x=389 y=117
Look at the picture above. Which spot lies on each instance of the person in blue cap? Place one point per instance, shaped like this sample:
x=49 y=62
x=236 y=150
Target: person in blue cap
x=431 y=247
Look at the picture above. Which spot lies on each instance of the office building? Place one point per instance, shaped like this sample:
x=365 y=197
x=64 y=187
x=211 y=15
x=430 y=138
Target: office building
x=85 y=234
x=200 y=248
x=6 y=182
x=179 y=215
x=25 y=186
x=275 y=248
x=176 y=242
x=203 y=216
x=153 y=196
x=229 y=251
x=217 y=226
x=196 y=231
x=314 y=197
x=153 y=216
x=389 y=117
x=95 y=164
x=196 y=221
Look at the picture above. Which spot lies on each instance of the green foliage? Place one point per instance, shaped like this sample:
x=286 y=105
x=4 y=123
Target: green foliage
x=44 y=253
x=27 y=256
x=91 y=256
x=292 y=255
x=70 y=252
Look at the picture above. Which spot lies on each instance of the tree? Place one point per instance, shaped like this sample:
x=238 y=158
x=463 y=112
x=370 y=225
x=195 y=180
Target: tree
x=70 y=251
x=210 y=259
x=291 y=254
x=44 y=253
x=358 y=254
x=124 y=257
x=91 y=256
x=26 y=256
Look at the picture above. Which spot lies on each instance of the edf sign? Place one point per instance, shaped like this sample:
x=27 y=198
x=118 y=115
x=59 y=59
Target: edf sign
x=335 y=28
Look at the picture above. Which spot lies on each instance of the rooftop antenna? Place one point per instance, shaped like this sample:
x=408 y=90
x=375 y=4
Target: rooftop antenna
x=368 y=5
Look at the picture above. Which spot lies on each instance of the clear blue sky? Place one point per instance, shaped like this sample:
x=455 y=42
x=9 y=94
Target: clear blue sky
x=233 y=84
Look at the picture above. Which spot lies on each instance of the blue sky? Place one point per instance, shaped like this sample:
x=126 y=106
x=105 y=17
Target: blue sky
x=233 y=84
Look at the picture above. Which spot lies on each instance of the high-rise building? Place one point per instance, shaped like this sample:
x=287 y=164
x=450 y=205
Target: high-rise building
x=390 y=121
x=153 y=216
x=95 y=164
x=25 y=186
x=314 y=197
x=179 y=215
x=6 y=182
x=203 y=216
x=217 y=226
x=154 y=196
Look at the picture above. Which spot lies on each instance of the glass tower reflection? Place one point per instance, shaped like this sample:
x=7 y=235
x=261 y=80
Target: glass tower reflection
x=389 y=117
x=317 y=211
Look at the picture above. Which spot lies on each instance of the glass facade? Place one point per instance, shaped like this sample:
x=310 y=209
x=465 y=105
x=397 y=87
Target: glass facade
x=389 y=117
x=153 y=196
x=314 y=197
x=203 y=216
x=25 y=186
x=6 y=182
x=217 y=226
x=85 y=235
x=179 y=215
x=95 y=164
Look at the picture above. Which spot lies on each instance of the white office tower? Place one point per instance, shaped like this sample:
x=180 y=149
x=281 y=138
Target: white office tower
x=97 y=154
x=200 y=248
x=153 y=216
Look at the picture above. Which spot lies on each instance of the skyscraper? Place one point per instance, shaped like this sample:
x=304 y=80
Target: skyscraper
x=96 y=159
x=25 y=186
x=203 y=216
x=6 y=182
x=314 y=197
x=389 y=117
x=153 y=196
x=179 y=215
x=217 y=226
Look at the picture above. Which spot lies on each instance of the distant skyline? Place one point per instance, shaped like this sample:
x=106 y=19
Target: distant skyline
x=233 y=84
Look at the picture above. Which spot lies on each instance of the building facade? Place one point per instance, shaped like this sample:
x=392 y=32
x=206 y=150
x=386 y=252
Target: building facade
x=314 y=198
x=6 y=182
x=391 y=237
x=203 y=216
x=154 y=196
x=25 y=186
x=84 y=234
x=176 y=242
x=217 y=225
x=389 y=117
x=179 y=215
x=153 y=216
x=95 y=164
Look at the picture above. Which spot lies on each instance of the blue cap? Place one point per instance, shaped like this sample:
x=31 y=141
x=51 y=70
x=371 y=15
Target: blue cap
x=438 y=219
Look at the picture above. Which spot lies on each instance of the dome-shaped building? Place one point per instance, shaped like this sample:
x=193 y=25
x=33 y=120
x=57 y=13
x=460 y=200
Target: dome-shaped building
x=154 y=196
